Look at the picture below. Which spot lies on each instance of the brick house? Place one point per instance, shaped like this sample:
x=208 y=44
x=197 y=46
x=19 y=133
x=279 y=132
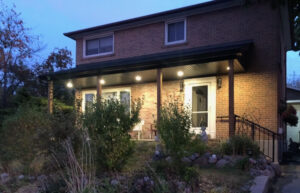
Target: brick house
x=221 y=58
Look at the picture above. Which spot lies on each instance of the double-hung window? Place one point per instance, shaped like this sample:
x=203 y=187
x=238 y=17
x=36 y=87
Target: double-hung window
x=175 y=32
x=121 y=94
x=99 y=46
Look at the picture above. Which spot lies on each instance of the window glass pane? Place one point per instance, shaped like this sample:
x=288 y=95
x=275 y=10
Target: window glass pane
x=199 y=119
x=109 y=95
x=92 y=46
x=125 y=99
x=176 y=31
x=199 y=98
x=89 y=100
x=171 y=32
x=106 y=44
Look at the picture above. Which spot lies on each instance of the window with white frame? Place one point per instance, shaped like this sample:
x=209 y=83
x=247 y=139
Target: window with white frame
x=99 y=46
x=175 y=31
x=121 y=94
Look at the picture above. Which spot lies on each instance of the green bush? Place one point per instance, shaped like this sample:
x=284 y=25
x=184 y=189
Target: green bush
x=30 y=135
x=109 y=123
x=173 y=127
x=20 y=135
x=239 y=145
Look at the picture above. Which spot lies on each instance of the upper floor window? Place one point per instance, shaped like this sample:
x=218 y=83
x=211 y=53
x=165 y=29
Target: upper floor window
x=99 y=46
x=175 y=32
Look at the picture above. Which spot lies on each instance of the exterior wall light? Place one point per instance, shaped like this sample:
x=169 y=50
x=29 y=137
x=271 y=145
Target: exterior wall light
x=228 y=68
x=138 y=78
x=102 y=81
x=69 y=84
x=180 y=73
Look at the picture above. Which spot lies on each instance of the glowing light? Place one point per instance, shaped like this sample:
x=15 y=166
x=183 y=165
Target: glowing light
x=228 y=68
x=138 y=78
x=102 y=81
x=180 y=73
x=69 y=84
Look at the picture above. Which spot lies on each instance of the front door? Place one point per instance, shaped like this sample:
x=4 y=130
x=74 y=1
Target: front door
x=200 y=98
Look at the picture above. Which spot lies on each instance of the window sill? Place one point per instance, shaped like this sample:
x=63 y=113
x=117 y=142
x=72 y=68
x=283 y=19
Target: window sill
x=98 y=56
x=175 y=44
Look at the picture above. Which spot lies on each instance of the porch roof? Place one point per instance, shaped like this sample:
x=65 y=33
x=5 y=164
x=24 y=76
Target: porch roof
x=200 y=56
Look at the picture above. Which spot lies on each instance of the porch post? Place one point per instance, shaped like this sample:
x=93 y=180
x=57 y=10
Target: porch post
x=99 y=87
x=159 y=78
x=50 y=96
x=231 y=99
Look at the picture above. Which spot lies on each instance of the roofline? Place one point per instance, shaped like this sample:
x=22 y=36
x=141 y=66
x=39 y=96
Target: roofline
x=210 y=6
x=293 y=88
x=233 y=50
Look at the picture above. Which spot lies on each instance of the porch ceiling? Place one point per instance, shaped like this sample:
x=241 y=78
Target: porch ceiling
x=170 y=73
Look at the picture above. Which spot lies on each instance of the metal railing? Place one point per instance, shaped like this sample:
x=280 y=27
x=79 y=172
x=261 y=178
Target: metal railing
x=266 y=139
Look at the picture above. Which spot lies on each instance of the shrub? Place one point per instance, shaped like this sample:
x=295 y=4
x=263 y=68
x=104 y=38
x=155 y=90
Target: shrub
x=20 y=135
x=239 y=144
x=109 y=123
x=173 y=126
x=290 y=116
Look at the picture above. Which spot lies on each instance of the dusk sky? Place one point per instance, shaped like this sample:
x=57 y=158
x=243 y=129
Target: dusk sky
x=51 y=18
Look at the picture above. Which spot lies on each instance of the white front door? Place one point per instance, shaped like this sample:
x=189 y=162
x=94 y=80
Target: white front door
x=200 y=98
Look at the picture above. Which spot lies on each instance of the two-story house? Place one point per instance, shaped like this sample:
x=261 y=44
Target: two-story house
x=220 y=58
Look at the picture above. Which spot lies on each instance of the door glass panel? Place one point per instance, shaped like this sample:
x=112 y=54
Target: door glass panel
x=89 y=100
x=199 y=119
x=199 y=98
x=200 y=106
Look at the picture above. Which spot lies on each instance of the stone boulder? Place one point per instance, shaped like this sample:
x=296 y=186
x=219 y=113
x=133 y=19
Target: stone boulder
x=186 y=161
x=212 y=159
x=222 y=163
x=4 y=178
x=201 y=161
x=276 y=168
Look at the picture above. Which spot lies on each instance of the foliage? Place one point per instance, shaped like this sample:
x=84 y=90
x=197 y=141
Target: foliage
x=173 y=127
x=290 y=116
x=16 y=48
x=243 y=164
x=239 y=145
x=196 y=146
x=20 y=135
x=108 y=123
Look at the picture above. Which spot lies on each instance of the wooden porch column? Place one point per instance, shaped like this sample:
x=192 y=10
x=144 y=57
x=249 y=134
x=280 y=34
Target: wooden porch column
x=99 y=87
x=50 y=96
x=231 y=98
x=159 y=78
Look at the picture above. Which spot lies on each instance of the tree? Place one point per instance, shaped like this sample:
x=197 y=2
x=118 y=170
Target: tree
x=15 y=51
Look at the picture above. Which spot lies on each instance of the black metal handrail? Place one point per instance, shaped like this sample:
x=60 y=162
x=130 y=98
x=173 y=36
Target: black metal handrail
x=263 y=136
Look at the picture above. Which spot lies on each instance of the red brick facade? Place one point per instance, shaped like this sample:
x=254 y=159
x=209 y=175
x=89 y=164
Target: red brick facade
x=257 y=91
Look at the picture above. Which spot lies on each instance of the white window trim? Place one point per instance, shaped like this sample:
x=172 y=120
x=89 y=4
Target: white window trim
x=166 y=31
x=211 y=83
x=98 y=36
x=118 y=90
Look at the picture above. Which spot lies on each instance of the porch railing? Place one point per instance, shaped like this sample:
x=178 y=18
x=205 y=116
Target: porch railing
x=268 y=141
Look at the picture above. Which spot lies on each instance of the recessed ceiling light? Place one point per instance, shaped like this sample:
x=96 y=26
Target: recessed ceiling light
x=180 y=73
x=69 y=84
x=228 y=68
x=102 y=81
x=138 y=78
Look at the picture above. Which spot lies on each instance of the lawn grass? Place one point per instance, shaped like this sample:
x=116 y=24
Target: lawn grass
x=143 y=153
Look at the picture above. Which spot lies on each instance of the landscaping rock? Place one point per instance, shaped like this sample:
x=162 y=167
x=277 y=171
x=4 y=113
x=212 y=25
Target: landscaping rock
x=194 y=156
x=207 y=155
x=201 y=161
x=212 y=159
x=222 y=163
x=4 y=177
x=186 y=161
x=255 y=172
x=114 y=182
x=169 y=159
x=276 y=168
x=21 y=177
x=271 y=171
x=252 y=161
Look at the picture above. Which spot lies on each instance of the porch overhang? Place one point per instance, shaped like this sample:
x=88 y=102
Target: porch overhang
x=201 y=61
